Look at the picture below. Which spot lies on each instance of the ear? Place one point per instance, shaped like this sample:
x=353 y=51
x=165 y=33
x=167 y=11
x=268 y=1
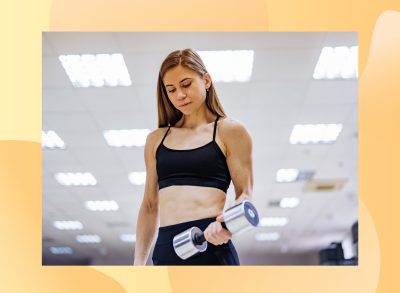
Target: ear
x=207 y=79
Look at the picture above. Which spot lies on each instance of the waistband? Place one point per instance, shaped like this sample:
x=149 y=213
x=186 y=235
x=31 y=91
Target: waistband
x=167 y=233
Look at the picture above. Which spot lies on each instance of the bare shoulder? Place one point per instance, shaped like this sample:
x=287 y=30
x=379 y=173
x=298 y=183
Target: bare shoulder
x=232 y=128
x=154 y=139
x=157 y=133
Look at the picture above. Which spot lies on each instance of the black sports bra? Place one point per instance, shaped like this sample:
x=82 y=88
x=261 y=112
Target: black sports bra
x=202 y=166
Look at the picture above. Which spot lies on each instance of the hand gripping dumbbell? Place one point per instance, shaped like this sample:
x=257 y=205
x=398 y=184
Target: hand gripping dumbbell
x=237 y=219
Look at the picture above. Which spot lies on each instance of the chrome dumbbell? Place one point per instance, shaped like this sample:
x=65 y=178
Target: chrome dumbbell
x=237 y=219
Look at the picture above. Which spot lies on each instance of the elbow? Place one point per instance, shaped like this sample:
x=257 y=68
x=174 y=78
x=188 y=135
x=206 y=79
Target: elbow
x=154 y=208
x=150 y=207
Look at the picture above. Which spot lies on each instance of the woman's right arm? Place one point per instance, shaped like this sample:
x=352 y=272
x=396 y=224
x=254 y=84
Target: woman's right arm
x=148 y=219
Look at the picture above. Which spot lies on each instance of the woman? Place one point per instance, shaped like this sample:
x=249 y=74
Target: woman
x=187 y=174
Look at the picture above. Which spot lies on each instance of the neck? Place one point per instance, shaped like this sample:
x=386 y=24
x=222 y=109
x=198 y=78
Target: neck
x=196 y=119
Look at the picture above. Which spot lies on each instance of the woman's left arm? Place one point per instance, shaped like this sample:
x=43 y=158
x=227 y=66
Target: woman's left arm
x=239 y=146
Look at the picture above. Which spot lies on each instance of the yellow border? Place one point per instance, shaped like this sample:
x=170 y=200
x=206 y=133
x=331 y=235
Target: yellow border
x=378 y=25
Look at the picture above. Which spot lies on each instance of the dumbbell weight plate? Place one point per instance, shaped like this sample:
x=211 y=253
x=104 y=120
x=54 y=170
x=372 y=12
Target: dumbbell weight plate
x=241 y=217
x=184 y=243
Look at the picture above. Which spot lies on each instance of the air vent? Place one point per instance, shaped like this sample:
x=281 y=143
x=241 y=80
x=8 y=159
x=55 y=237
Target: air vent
x=284 y=203
x=47 y=240
x=305 y=175
x=293 y=175
x=274 y=203
x=324 y=185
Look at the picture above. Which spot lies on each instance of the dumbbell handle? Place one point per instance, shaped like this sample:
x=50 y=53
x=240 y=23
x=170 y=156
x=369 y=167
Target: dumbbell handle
x=199 y=238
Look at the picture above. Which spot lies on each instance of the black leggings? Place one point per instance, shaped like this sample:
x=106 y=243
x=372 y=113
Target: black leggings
x=164 y=253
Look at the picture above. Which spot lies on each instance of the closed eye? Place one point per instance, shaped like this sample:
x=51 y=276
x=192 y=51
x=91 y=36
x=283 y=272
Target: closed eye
x=184 y=85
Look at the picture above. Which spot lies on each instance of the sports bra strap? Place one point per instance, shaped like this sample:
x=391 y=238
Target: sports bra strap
x=165 y=134
x=215 y=127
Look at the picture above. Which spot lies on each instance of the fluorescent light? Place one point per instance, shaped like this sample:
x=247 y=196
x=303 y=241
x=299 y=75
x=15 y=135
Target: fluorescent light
x=61 y=250
x=228 y=66
x=289 y=202
x=75 y=179
x=102 y=205
x=271 y=236
x=126 y=137
x=273 y=222
x=98 y=70
x=88 y=238
x=287 y=175
x=337 y=63
x=128 y=237
x=315 y=133
x=137 y=178
x=68 y=225
x=51 y=140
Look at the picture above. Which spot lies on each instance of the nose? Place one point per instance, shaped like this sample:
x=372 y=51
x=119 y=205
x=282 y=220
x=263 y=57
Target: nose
x=181 y=94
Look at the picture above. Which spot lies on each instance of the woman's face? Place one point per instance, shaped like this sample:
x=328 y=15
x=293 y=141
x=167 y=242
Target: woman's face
x=186 y=89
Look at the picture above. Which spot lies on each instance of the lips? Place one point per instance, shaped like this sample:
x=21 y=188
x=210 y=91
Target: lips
x=184 y=105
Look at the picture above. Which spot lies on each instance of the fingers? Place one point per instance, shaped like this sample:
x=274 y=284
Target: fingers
x=220 y=218
x=217 y=235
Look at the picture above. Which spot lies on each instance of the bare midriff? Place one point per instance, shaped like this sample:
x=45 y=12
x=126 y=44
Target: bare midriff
x=183 y=203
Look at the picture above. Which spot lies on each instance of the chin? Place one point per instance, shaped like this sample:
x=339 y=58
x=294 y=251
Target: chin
x=187 y=111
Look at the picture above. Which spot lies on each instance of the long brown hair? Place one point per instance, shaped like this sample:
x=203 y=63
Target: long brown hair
x=167 y=113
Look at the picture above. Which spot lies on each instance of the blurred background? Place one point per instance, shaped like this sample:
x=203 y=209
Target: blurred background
x=295 y=92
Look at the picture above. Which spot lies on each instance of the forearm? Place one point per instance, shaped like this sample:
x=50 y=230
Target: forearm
x=243 y=196
x=148 y=221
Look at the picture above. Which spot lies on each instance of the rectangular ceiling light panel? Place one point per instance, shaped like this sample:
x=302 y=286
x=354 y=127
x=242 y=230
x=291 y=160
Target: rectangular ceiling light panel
x=337 y=63
x=228 y=65
x=99 y=70
x=315 y=133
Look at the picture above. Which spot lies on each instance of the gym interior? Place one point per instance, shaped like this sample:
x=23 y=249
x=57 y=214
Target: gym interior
x=295 y=92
